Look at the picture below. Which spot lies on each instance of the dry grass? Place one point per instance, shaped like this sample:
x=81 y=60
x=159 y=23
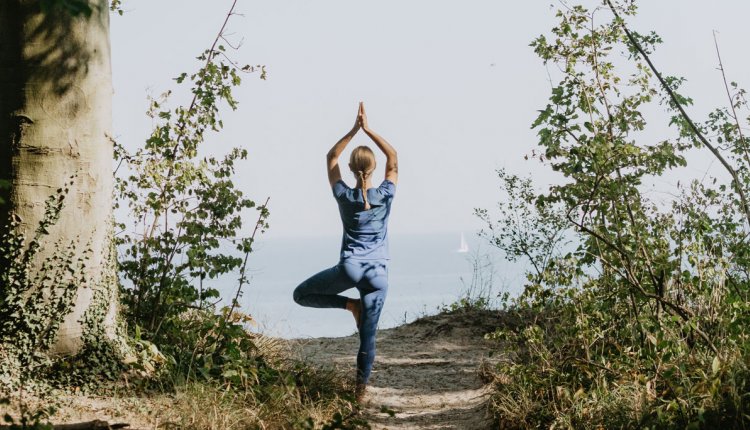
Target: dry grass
x=291 y=397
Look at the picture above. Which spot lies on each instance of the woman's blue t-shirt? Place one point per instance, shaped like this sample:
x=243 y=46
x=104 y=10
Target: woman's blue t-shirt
x=365 y=231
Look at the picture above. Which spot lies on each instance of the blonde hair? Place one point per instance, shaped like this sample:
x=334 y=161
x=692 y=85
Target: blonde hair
x=362 y=164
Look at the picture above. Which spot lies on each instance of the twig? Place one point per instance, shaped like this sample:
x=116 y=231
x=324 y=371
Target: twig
x=209 y=57
x=243 y=278
x=678 y=310
x=731 y=104
x=89 y=425
x=211 y=53
x=235 y=47
x=683 y=113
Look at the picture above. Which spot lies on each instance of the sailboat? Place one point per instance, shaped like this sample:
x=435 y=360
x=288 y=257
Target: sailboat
x=464 y=247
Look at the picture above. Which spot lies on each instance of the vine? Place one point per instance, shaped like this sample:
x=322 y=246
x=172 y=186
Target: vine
x=35 y=295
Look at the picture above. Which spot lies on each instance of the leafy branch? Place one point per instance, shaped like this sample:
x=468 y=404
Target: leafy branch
x=737 y=184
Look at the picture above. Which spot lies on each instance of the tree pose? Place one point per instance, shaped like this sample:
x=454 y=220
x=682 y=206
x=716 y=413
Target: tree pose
x=364 y=254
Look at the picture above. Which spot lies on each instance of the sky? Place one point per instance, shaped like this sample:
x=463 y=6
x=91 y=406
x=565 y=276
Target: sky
x=452 y=85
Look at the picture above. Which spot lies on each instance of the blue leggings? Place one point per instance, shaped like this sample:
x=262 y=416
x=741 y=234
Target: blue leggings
x=370 y=277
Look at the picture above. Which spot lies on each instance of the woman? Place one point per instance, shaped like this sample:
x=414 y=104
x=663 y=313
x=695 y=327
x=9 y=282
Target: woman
x=364 y=255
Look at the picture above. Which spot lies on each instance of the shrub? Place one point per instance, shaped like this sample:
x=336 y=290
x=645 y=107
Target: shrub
x=641 y=320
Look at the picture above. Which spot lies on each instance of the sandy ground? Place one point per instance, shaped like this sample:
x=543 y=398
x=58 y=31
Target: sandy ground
x=426 y=374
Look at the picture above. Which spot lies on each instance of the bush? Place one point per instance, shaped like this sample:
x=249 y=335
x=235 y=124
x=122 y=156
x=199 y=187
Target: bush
x=639 y=318
x=225 y=377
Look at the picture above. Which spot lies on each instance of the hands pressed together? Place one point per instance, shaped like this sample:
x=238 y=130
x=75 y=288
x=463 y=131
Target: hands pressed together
x=391 y=166
x=361 y=121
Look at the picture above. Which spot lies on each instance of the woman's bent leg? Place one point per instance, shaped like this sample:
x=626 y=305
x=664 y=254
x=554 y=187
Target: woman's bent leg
x=322 y=289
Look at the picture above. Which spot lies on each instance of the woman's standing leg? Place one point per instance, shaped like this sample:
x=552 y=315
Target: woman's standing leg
x=373 y=289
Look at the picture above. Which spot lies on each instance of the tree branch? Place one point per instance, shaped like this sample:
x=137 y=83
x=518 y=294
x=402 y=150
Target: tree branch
x=731 y=104
x=243 y=279
x=683 y=113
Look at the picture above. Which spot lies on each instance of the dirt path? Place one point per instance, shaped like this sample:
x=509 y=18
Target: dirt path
x=426 y=374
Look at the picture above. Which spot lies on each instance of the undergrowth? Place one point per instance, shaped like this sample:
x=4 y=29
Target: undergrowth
x=224 y=376
x=239 y=380
x=636 y=309
x=189 y=356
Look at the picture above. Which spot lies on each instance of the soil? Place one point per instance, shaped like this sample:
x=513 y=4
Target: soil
x=426 y=374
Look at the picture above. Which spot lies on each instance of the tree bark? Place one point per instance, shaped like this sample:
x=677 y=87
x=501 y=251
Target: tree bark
x=55 y=117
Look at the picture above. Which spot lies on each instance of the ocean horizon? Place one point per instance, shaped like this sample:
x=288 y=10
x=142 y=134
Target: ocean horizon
x=426 y=272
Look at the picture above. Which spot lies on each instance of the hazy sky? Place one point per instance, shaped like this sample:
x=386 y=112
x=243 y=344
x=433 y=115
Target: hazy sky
x=453 y=85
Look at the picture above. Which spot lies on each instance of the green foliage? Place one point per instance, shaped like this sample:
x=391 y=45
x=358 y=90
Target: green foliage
x=77 y=7
x=217 y=356
x=527 y=231
x=184 y=220
x=215 y=348
x=185 y=211
x=103 y=355
x=34 y=294
x=186 y=217
x=116 y=6
x=642 y=321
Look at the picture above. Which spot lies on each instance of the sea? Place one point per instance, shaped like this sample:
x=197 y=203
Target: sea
x=427 y=273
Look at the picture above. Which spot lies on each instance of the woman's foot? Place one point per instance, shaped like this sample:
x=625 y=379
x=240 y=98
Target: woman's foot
x=355 y=307
x=359 y=392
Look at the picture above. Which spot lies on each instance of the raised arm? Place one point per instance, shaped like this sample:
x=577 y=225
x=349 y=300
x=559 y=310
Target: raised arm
x=332 y=158
x=391 y=157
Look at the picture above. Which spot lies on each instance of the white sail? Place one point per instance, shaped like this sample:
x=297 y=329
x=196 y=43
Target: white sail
x=464 y=247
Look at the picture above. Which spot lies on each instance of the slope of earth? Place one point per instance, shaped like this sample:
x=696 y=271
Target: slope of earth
x=426 y=374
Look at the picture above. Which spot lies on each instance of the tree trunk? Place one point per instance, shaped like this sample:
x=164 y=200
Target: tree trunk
x=55 y=116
